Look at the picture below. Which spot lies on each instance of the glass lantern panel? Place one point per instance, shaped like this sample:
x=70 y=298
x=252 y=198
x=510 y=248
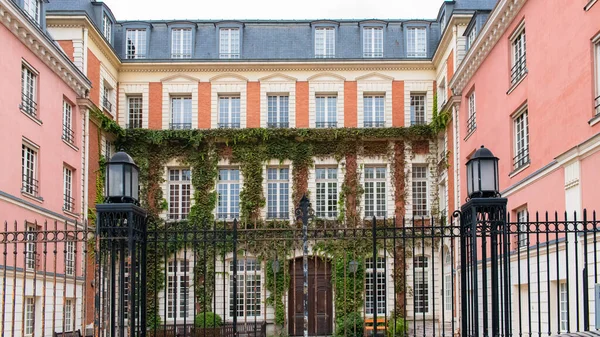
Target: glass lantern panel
x=476 y=177
x=115 y=180
x=469 y=178
x=488 y=178
x=136 y=182
x=127 y=180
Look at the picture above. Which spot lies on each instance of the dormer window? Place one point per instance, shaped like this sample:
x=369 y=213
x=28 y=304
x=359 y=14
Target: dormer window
x=136 y=43
x=32 y=8
x=107 y=28
x=181 y=43
x=416 y=42
x=229 y=47
x=324 y=42
x=373 y=42
x=443 y=22
x=471 y=37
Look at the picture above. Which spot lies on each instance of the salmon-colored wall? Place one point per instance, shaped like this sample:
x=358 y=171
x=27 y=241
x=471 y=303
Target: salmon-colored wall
x=398 y=103
x=68 y=48
x=350 y=104
x=590 y=181
x=204 y=108
x=253 y=105
x=93 y=74
x=155 y=106
x=301 y=104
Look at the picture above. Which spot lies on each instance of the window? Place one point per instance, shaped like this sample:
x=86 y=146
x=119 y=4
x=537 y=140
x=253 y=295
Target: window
x=230 y=43
x=519 y=68
x=372 y=42
x=248 y=289
x=564 y=306
x=229 y=112
x=136 y=43
x=326 y=109
x=70 y=257
x=327 y=192
x=179 y=294
x=416 y=42
x=278 y=111
x=29 y=170
x=521 y=140
x=471 y=37
x=448 y=298
x=30 y=247
x=421 y=284
x=68 y=200
x=107 y=28
x=107 y=97
x=325 y=42
x=180 y=191
x=441 y=92
x=69 y=311
x=597 y=99
x=374 y=111
x=228 y=192
x=523 y=227
x=278 y=193
x=375 y=291
x=443 y=22
x=181 y=113
x=32 y=8
x=134 y=112
x=472 y=120
x=417 y=109
x=29 y=316
x=68 y=134
x=28 y=91
x=375 y=196
x=419 y=191
x=181 y=43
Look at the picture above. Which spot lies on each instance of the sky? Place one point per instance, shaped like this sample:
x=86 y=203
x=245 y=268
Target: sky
x=272 y=9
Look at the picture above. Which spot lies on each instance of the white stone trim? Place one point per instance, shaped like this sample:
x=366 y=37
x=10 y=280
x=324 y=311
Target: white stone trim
x=278 y=88
x=390 y=207
x=129 y=89
x=179 y=89
x=164 y=186
x=226 y=86
x=379 y=86
x=419 y=87
x=329 y=87
x=312 y=181
x=276 y=163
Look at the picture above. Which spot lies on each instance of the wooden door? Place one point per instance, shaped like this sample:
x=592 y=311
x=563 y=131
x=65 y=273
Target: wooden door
x=320 y=298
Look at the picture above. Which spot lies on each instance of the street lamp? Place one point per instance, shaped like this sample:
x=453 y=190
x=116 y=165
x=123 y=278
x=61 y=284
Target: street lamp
x=482 y=175
x=275 y=266
x=122 y=180
x=353 y=266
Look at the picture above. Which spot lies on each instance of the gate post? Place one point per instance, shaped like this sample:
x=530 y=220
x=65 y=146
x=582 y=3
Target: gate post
x=304 y=213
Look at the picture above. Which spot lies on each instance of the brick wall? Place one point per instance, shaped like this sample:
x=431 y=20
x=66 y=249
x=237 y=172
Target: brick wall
x=93 y=74
x=302 y=104
x=350 y=104
x=253 y=105
x=68 y=48
x=398 y=103
x=155 y=106
x=204 y=107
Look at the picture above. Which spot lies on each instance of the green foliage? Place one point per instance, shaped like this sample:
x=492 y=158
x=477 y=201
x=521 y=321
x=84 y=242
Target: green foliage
x=439 y=120
x=349 y=325
x=106 y=123
x=277 y=285
x=207 y=320
x=396 y=327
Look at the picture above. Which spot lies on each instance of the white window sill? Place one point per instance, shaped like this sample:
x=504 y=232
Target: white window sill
x=71 y=145
x=514 y=86
x=595 y=120
x=32 y=197
x=519 y=170
x=33 y=118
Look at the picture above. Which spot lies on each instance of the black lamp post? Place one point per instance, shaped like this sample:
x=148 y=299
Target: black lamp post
x=482 y=174
x=122 y=180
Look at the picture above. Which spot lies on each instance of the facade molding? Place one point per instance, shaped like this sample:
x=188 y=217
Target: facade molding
x=455 y=20
x=324 y=77
x=278 y=77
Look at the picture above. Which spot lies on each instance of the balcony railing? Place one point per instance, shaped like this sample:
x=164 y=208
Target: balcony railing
x=518 y=70
x=374 y=124
x=181 y=56
x=597 y=105
x=177 y=216
x=324 y=56
x=69 y=203
x=280 y=125
x=471 y=123
x=370 y=54
x=418 y=122
x=228 y=216
x=229 y=55
x=229 y=125
x=28 y=105
x=278 y=215
x=134 y=124
x=327 y=214
x=30 y=185
x=68 y=134
x=521 y=159
x=371 y=213
x=132 y=56
x=326 y=124
x=180 y=126
x=107 y=104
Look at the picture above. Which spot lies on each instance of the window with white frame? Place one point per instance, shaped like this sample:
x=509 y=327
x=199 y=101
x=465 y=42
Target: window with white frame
x=107 y=97
x=180 y=193
x=563 y=292
x=134 y=112
x=523 y=227
x=229 y=46
x=325 y=42
x=181 y=43
x=181 y=113
x=248 y=288
x=374 y=111
x=326 y=111
x=29 y=323
x=471 y=37
x=69 y=312
x=519 y=64
x=443 y=21
x=326 y=179
x=521 y=127
x=416 y=42
x=28 y=90
x=375 y=291
x=421 y=286
x=68 y=133
x=419 y=190
x=472 y=119
x=372 y=42
x=441 y=92
x=417 y=109
x=29 y=170
x=33 y=9
x=375 y=191
x=179 y=295
x=30 y=247
x=68 y=200
x=448 y=298
x=278 y=192
x=70 y=256
x=107 y=28
x=228 y=193
x=278 y=111
x=136 y=43
x=597 y=67
x=229 y=112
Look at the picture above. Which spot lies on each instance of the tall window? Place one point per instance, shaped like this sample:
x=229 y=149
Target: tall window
x=180 y=192
x=228 y=192
x=374 y=111
x=375 y=191
x=68 y=200
x=30 y=248
x=419 y=190
x=421 y=284
x=69 y=311
x=521 y=127
x=278 y=193
x=107 y=97
x=441 y=92
x=326 y=109
x=179 y=295
x=181 y=43
x=471 y=37
x=416 y=42
x=325 y=42
x=327 y=191
x=181 y=113
x=472 y=120
x=229 y=47
x=597 y=99
x=417 y=109
x=248 y=288
x=523 y=227
x=519 y=68
x=136 y=43
x=448 y=298
x=32 y=8
x=28 y=91
x=68 y=134
x=134 y=112
x=29 y=170
x=372 y=42
x=564 y=306
x=278 y=111
x=107 y=28
x=375 y=290
x=229 y=112
x=70 y=257
x=28 y=325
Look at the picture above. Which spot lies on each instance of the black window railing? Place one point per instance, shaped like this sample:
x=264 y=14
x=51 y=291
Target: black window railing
x=68 y=135
x=374 y=124
x=181 y=56
x=131 y=56
x=418 y=122
x=180 y=126
x=229 y=125
x=519 y=69
x=134 y=124
x=324 y=56
x=177 y=216
x=327 y=215
x=28 y=105
x=68 y=203
x=106 y=104
x=371 y=213
x=471 y=123
x=229 y=55
x=280 y=125
x=521 y=159
x=326 y=124
x=278 y=215
x=228 y=216
x=30 y=185
x=370 y=54
x=597 y=105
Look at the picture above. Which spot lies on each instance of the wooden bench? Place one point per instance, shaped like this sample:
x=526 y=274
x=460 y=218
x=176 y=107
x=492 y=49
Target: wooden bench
x=76 y=333
x=370 y=327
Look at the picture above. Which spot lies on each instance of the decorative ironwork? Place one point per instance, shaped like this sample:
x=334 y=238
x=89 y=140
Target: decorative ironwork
x=518 y=70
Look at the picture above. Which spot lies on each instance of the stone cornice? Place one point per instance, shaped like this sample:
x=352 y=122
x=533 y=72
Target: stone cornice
x=497 y=23
x=41 y=45
x=455 y=20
